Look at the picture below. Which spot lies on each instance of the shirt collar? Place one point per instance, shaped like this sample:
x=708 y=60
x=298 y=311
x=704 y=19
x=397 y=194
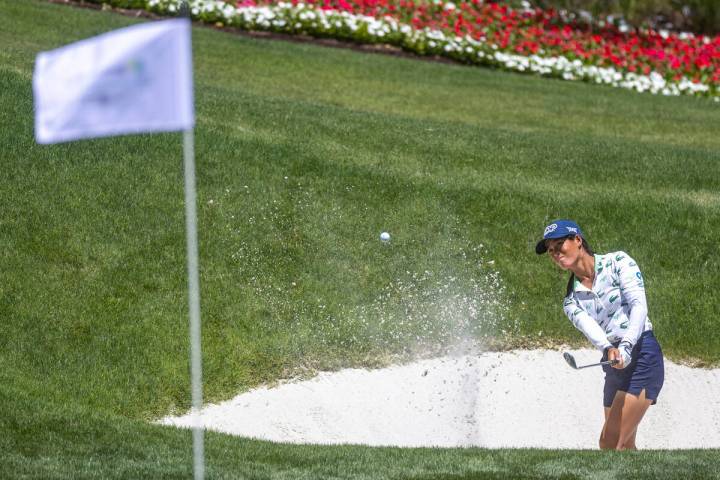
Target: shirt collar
x=579 y=287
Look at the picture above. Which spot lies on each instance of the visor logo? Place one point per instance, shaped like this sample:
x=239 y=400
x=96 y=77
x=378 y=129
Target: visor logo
x=549 y=229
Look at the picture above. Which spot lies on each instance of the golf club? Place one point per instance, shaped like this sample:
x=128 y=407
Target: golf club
x=571 y=361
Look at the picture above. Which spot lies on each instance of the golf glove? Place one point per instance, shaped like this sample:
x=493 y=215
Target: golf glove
x=625 y=349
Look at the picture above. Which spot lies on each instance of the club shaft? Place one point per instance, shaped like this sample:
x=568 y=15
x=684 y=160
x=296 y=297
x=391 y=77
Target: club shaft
x=608 y=362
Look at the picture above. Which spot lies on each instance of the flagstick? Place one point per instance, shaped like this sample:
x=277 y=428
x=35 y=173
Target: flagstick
x=194 y=302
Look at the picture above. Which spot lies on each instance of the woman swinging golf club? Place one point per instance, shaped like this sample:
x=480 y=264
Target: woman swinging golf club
x=605 y=300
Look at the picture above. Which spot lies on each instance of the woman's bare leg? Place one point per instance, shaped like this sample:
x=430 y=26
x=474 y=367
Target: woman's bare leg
x=622 y=420
x=605 y=442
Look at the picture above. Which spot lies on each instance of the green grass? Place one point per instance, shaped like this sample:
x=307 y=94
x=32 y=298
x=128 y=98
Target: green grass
x=305 y=155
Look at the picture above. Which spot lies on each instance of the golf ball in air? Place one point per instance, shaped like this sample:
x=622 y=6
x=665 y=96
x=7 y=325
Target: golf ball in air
x=385 y=236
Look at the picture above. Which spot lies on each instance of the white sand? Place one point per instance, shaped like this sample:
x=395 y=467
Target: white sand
x=510 y=399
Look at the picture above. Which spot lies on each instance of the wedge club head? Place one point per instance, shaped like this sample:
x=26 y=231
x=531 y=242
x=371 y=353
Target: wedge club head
x=570 y=360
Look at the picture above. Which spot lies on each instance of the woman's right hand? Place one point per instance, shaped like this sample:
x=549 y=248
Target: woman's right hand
x=614 y=354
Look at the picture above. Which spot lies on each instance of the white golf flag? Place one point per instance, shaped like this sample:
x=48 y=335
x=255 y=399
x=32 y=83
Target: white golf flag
x=132 y=80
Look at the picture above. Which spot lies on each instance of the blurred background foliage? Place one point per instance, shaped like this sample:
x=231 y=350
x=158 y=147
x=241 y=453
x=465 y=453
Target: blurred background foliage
x=697 y=16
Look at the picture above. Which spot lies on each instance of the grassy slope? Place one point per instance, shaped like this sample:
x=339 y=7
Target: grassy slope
x=446 y=158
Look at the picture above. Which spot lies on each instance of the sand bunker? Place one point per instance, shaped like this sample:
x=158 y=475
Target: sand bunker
x=509 y=399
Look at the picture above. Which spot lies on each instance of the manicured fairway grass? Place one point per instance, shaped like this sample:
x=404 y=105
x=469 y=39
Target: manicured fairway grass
x=305 y=155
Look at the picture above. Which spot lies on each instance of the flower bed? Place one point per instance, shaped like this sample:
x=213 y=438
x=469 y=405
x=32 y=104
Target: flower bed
x=479 y=32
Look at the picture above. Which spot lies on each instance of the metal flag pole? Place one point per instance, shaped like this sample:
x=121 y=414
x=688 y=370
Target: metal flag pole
x=193 y=292
x=194 y=304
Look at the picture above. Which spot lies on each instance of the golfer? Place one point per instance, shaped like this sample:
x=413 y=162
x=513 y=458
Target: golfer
x=605 y=300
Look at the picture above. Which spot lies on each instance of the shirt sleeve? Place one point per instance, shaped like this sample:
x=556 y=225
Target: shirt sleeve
x=632 y=290
x=585 y=323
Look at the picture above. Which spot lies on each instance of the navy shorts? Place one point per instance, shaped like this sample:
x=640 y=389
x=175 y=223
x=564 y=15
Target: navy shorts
x=646 y=371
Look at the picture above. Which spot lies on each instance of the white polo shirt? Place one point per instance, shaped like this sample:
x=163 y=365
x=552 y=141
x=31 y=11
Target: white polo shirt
x=615 y=309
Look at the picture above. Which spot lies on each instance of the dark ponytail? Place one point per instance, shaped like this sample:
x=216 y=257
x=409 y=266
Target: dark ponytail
x=571 y=280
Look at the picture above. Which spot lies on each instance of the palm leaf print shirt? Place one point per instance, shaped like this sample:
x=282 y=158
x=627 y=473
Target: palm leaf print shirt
x=614 y=309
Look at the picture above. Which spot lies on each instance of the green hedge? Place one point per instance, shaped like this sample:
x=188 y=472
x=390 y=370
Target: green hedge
x=139 y=4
